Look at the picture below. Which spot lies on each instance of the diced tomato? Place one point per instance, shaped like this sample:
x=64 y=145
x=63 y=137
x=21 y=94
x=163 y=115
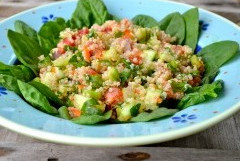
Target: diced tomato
x=113 y=96
x=98 y=54
x=91 y=72
x=107 y=29
x=159 y=100
x=136 y=59
x=179 y=50
x=74 y=37
x=68 y=42
x=86 y=54
x=61 y=51
x=74 y=112
x=195 y=81
x=127 y=34
x=83 y=31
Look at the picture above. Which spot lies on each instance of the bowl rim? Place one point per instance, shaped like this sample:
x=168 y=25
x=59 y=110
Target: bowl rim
x=119 y=141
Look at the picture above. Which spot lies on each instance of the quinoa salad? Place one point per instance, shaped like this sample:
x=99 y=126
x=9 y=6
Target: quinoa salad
x=118 y=65
x=99 y=68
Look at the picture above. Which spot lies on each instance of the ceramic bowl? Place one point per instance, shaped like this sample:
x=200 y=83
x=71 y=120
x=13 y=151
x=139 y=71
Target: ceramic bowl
x=17 y=115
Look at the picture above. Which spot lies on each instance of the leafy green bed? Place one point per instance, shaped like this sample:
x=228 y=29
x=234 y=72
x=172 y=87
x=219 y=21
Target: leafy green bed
x=29 y=44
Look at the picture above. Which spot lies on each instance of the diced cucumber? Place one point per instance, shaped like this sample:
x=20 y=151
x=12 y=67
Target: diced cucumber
x=93 y=94
x=111 y=55
x=149 y=55
x=79 y=100
x=101 y=107
x=111 y=74
x=166 y=57
x=62 y=61
x=173 y=65
x=135 y=109
x=152 y=98
x=142 y=34
x=124 y=112
x=49 y=79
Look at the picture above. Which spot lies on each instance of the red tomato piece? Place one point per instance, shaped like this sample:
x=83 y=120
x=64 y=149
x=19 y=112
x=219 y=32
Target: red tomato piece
x=91 y=72
x=86 y=54
x=68 y=42
x=113 y=96
x=83 y=31
x=61 y=51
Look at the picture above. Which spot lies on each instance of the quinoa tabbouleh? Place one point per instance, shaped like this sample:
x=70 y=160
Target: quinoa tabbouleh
x=117 y=66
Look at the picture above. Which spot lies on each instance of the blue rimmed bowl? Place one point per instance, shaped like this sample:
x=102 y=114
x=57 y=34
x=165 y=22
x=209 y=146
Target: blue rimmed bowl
x=17 y=115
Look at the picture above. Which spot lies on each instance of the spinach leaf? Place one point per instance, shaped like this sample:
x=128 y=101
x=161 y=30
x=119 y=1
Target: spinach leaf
x=47 y=92
x=19 y=71
x=48 y=34
x=201 y=94
x=155 y=114
x=163 y=24
x=89 y=12
x=10 y=83
x=174 y=25
x=63 y=112
x=191 y=18
x=215 y=55
x=26 y=50
x=36 y=98
x=23 y=28
x=144 y=21
x=92 y=119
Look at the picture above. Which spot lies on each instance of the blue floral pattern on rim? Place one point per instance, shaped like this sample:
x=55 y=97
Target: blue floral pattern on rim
x=45 y=19
x=198 y=48
x=183 y=118
x=3 y=91
x=203 y=25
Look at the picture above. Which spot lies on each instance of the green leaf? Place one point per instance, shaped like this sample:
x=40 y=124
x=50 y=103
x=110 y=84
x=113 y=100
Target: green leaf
x=201 y=94
x=48 y=34
x=191 y=18
x=92 y=119
x=10 y=83
x=19 y=71
x=36 y=98
x=26 y=50
x=215 y=55
x=135 y=109
x=89 y=12
x=23 y=28
x=144 y=21
x=47 y=92
x=155 y=114
x=174 y=25
x=63 y=112
x=163 y=24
